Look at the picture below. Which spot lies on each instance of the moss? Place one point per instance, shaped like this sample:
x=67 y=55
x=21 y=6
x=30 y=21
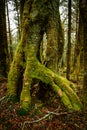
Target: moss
x=22 y=112
x=69 y=97
x=25 y=99
x=34 y=70
x=12 y=98
x=66 y=101
x=65 y=85
x=67 y=94
x=17 y=67
x=64 y=98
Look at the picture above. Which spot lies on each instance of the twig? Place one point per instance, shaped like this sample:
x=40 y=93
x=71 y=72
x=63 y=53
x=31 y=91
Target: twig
x=35 y=121
x=2 y=98
x=58 y=114
x=42 y=118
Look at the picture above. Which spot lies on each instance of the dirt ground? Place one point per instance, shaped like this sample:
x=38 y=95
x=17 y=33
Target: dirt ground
x=44 y=117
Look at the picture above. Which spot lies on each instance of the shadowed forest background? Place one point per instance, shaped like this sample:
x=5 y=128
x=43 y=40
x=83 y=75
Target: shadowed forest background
x=43 y=64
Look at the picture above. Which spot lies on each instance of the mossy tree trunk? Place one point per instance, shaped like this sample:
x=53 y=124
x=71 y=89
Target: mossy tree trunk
x=26 y=62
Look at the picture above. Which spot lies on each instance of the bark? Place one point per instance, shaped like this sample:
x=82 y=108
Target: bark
x=55 y=37
x=33 y=27
x=21 y=9
x=52 y=37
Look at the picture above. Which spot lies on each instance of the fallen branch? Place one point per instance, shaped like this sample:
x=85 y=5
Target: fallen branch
x=2 y=98
x=58 y=114
x=35 y=121
x=42 y=118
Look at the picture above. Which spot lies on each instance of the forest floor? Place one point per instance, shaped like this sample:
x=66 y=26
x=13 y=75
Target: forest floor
x=43 y=117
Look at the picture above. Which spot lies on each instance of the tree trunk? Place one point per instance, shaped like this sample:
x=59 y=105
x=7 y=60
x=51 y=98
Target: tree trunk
x=69 y=41
x=10 y=36
x=55 y=37
x=26 y=62
x=78 y=51
x=52 y=37
x=18 y=17
x=3 y=41
x=83 y=12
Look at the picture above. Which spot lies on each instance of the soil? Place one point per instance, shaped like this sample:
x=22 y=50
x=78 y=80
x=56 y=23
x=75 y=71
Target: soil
x=52 y=116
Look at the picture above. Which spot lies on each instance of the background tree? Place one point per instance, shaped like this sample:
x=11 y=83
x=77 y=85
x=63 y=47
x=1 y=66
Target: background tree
x=21 y=9
x=78 y=52
x=3 y=41
x=9 y=34
x=83 y=12
x=16 y=4
x=69 y=40
x=13 y=16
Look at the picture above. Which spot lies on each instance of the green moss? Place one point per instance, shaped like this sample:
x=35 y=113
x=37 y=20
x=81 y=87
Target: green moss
x=66 y=101
x=15 y=71
x=25 y=100
x=60 y=85
x=67 y=86
x=64 y=98
x=12 y=98
x=22 y=112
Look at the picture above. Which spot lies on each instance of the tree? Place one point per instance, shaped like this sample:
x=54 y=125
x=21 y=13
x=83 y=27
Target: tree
x=83 y=12
x=21 y=9
x=55 y=37
x=10 y=35
x=17 y=15
x=78 y=53
x=3 y=41
x=69 y=40
x=26 y=64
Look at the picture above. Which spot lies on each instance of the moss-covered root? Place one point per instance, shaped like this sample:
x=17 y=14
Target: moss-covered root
x=60 y=85
x=25 y=98
x=64 y=88
x=69 y=88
